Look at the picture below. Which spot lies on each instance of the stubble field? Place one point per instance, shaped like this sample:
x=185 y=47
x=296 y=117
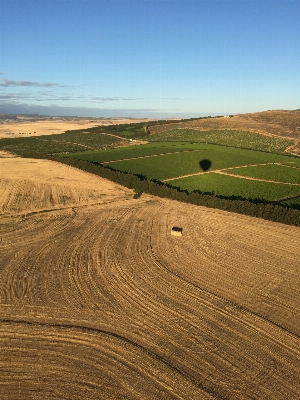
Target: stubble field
x=99 y=301
x=42 y=127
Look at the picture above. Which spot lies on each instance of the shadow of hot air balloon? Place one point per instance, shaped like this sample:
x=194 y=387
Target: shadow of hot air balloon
x=205 y=165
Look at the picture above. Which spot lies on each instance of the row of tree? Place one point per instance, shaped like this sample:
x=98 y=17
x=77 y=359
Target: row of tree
x=254 y=207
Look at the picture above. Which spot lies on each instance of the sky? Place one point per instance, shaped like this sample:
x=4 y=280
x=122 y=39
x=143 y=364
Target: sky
x=149 y=58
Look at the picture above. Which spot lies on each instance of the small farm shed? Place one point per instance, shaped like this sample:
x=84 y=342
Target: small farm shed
x=176 y=231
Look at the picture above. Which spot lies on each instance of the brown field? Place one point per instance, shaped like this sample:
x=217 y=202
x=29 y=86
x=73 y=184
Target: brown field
x=30 y=185
x=47 y=127
x=99 y=301
x=283 y=123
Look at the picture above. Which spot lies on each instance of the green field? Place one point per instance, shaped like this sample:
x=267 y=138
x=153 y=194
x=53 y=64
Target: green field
x=135 y=151
x=177 y=153
x=167 y=160
x=183 y=163
x=278 y=173
x=232 y=186
x=233 y=138
x=71 y=141
x=129 y=130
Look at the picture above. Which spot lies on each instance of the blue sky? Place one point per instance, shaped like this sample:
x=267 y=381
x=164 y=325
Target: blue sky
x=149 y=58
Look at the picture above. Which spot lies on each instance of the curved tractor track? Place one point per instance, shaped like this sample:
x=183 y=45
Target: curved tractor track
x=30 y=185
x=105 y=303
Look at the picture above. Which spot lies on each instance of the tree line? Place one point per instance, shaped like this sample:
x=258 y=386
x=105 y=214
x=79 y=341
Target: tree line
x=287 y=214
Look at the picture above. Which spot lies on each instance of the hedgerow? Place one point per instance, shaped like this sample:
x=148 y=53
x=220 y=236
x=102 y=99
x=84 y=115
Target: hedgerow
x=283 y=213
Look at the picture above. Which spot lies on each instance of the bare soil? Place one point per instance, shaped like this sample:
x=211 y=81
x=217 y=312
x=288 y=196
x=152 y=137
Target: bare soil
x=104 y=303
x=39 y=128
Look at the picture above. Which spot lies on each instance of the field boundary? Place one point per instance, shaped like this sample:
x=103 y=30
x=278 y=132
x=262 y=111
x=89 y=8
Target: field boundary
x=223 y=171
x=286 y=198
x=291 y=148
x=255 y=179
x=147 y=156
x=77 y=144
x=260 y=208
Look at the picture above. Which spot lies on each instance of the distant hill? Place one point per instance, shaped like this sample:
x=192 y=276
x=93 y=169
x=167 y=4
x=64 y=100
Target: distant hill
x=283 y=123
x=4 y=117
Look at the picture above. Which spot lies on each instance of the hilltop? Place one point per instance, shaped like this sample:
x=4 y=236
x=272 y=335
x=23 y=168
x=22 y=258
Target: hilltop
x=283 y=123
x=99 y=300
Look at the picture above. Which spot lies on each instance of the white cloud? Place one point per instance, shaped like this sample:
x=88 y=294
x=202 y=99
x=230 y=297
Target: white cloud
x=10 y=82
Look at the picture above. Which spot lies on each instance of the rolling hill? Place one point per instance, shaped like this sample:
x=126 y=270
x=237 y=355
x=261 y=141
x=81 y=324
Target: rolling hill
x=283 y=123
x=98 y=300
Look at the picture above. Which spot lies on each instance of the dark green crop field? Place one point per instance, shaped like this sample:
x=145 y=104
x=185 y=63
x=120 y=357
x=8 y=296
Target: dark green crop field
x=271 y=172
x=135 y=151
x=188 y=159
x=232 y=186
x=181 y=163
x=168 y=160
x=71 y=141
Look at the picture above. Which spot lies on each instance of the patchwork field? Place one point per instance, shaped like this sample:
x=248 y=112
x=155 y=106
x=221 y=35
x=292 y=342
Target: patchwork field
x=231 y=138
x=223 y=170
x=25 y=128
x=100 y=301
x=175 y=150
x=273 y=130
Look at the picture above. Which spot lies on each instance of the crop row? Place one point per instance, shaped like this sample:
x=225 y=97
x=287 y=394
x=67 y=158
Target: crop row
x=186 y=158
x=179 y=164
x=134 y=129
x=255 y=207
x=224 y=185
x=234 y=138
x=121 y=153
x=67 y=142
x=275 y=172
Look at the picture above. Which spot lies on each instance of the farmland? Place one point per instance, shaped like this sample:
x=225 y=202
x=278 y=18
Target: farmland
x=35 y=126
x=174 y=156
x=222 y=184
x=232 y=138
x=99 y=300
x=30 y=185
x=174 y=162
x=272 y=123
x=69 y=141
x=274 y=172
x=130 y=152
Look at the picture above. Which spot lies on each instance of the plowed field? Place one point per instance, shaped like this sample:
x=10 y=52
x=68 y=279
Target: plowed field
x=30 y=185
x=99 y=301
